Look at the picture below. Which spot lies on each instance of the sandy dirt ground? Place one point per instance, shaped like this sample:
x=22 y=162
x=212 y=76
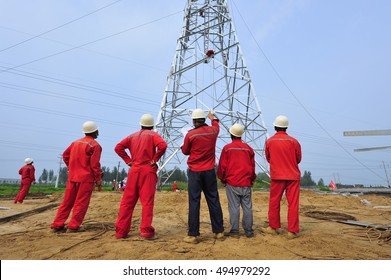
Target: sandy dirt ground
x=28 y=236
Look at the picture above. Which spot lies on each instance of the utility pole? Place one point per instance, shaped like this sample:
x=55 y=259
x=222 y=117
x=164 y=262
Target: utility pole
x=385 y=170
x=116 y=178
x=59 y=170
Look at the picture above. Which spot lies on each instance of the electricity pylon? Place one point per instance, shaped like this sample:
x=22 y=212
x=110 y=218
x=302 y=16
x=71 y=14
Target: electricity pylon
x=208 y=71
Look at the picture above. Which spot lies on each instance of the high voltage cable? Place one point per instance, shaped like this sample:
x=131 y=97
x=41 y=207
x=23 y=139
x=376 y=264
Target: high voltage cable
x=58 y=113
x=67 y=97
x=298 y=100
x=60 y=26
x=92 y=51
x=88 y=43
x=82 y=86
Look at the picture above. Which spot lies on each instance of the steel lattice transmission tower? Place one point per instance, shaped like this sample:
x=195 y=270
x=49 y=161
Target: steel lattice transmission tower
x=208 y=71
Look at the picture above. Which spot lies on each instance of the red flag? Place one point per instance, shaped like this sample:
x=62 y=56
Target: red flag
x=332 y=185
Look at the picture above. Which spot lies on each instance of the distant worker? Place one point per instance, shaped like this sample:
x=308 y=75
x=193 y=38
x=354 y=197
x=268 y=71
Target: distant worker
x=113 y=185
x=146 y=147
x=236 y=172
x=100 y=185
x=283 y=152
x=200 y=145
x=82 y=158
x=121 y=185
x=174 y=186
x=27 y=172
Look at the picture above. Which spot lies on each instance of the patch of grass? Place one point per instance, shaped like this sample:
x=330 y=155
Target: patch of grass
x=13 y=189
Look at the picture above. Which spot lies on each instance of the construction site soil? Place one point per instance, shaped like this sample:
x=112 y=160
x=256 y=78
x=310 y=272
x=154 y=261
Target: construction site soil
x=333 y=227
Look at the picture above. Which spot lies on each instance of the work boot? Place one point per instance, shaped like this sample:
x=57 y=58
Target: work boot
x=148 y=235
x=270 y=230
x=58 y=230
x=292 y=235
x=75 y=230
x=219 y=235
x=234 y=234
x=191 y=239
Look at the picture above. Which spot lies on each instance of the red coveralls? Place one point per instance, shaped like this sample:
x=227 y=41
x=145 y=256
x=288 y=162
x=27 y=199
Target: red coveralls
x=239 y=171
x=283 y=152
x=144 y=146
x=82 y=158
x=27 y=173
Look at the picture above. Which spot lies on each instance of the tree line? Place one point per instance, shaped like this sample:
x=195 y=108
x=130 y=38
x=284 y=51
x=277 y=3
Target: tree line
x=48 y=176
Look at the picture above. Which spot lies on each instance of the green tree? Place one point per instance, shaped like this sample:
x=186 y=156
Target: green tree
x=51 y=176
x=123 y=174
x=306 y=180
x=63 y=178
x=44 y=176
x=262 y=179
x=178 y=175
x=321 y=182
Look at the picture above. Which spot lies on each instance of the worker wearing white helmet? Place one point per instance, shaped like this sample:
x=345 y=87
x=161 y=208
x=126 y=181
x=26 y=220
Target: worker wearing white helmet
x=200 y=145
x=27 y=172
x=236 y=171
x=82 y=158
x=145 y=148
x=283 y=153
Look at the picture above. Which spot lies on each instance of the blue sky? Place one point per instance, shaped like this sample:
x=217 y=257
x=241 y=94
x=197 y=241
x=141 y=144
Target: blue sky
x=324 y=64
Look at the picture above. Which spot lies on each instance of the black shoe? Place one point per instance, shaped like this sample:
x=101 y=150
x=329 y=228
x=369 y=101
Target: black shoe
x=250 y=235
x=75 y=230
x=58 y=230
x=232 y=234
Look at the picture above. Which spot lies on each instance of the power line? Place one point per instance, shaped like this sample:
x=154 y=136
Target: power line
x=58 y=113
x=67 y=97
x=88 y=43
x=299 y=101
x=82 y=86
x=60 y=26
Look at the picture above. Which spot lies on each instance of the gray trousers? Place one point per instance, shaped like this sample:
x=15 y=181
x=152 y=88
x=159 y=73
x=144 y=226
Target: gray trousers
x=240 y=196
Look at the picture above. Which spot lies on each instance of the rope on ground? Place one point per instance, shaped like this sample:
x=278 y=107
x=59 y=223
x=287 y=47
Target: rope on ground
x=380 y=236
x=88 y=226
x=325 y=215
x=28 y=213
x=308 y=257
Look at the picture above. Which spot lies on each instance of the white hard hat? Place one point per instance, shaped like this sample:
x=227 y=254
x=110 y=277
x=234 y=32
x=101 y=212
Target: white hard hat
x=89 y=127
x=281 y=121
x=28 y=160
x=198 y=114
x=236 y=130
x=146 y=120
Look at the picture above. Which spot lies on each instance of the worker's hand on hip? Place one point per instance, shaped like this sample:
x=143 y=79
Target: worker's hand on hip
x=153 y=163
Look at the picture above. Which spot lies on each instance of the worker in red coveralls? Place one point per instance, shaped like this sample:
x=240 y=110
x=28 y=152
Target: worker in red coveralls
x=146 y=147
x=27 y=173
x=236 y=172
x=174 y=186
x=283 y=152
x=82 y=158
x=200 y=145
